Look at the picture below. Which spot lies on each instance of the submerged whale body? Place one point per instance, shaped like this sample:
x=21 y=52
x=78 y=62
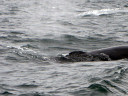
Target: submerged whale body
x=107 y=54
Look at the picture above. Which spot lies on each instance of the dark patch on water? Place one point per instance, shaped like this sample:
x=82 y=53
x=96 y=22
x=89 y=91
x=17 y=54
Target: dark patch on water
x=31 y=46
x=16 y=32
x=93 y=90
x=36 y=40
x=6 y=93
x=99 y=88
x=126 y=5
x=81 y=92
x=22 y=40
x=71 y=38
x=62 y=48
x=35 y=94
x=27 y=86
x=95 y=79
x=6 y=90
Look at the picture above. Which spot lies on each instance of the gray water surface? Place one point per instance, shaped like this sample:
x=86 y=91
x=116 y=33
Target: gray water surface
x=34 y=30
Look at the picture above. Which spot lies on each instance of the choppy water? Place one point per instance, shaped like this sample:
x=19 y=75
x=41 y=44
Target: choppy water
x=32 y=30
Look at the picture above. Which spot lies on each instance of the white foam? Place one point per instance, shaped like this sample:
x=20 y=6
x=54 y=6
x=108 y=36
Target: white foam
x=103 y=11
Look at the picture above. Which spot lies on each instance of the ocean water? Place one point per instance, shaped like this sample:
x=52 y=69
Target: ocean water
x=33 y=30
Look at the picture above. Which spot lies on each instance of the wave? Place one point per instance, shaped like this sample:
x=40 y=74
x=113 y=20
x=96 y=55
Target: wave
x=113 y=82
x=103 y=12
x=35 y=94
x=92 y=90
x=15 y=54
x=114 y=86
x=25 y=56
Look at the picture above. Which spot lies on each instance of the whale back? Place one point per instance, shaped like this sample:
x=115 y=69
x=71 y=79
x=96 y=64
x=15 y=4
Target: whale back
x=114 y=53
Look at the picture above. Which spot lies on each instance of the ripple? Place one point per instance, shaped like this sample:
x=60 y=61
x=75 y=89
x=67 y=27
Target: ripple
x=118 y=72
x=25 y=40
x=34 y=40
x=28 y=86
x=92 y=90
x=66 y=23
x=16 y=32
x=35 y=94
x=71 y=37
x=114 y=86
x=21 y=55
x=30 y=46
x=81 y=92
x=94 y=79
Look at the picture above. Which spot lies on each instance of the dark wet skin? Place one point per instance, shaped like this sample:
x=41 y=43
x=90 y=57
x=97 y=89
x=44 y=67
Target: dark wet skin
x=115 y=53
x=107 y=54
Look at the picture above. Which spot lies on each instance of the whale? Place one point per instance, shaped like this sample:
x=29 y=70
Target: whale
x=104 y=54
x=114 y=53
